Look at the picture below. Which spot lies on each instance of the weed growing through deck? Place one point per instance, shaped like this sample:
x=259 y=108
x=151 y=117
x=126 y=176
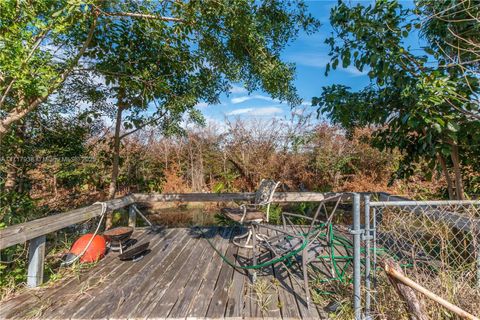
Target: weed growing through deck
x=38 y=311
x=262 y=288
x=324 y=293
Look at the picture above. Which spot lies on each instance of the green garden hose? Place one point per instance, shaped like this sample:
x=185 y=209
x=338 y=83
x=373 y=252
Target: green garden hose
x=260 y=265
x=333 y=242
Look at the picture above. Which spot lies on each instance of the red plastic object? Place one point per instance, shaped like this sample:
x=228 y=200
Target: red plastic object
x=95 y=251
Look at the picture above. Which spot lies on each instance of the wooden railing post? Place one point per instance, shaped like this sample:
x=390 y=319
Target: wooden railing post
x=132 y=216
x=36 y=257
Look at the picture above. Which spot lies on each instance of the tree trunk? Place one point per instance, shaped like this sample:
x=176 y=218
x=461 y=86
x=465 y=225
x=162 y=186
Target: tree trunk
x=448 y=178
x=55 y=186
x=11 y=178
x=458 y=173
x=112 y=190
x=14 y=161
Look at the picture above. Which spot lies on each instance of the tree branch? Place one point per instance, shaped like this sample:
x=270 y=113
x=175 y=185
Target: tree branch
x=143 y=125
x=37 y=43
x=142 y=16
x=21 y=111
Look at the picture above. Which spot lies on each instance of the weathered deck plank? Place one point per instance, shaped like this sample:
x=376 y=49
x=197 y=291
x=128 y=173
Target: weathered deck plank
x=68 y=289
x=182 y=277
x=143 y=295
x=185 y=298
x=218 y=302
x=193 y=264
x=199 y=306
x=236 y=297
x=124 y=279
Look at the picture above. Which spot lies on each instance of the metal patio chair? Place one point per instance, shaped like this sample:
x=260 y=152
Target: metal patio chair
x=252 y=214
x=303 y=248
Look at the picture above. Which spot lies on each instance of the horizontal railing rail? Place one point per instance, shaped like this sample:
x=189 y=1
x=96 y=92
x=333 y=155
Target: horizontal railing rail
x=278 y=197
x=23 y=232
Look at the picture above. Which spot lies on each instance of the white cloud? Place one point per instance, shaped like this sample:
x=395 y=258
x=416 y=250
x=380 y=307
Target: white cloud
x=310 y=59
x=240 y=99
x=355 y=72
x=298 y=112
x=239 y=111
x=254 y=97
x=238 y=89
x=201 y=105
x=320 y=61
x=306 y=103
x=265 y=111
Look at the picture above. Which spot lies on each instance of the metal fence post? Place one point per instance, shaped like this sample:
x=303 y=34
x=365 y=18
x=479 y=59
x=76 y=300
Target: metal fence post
x=132 y=216
x=36 y=257
x=367 y=238
x=357 y=277
x=478 y=266
x=476 y=242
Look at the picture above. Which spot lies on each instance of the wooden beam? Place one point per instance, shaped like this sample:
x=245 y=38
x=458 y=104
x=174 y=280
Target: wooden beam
x=23 y=232
x=393 y=272
x=225 y=197
x=414 y=306
x=36 y=257
x=192 y=197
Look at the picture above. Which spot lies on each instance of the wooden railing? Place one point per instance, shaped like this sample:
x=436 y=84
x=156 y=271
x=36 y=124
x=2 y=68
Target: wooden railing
x=35 y=231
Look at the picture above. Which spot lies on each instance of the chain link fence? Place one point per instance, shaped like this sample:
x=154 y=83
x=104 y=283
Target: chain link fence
x=437 y=244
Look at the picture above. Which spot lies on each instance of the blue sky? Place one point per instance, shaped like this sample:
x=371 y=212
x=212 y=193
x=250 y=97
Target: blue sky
x=310 y=54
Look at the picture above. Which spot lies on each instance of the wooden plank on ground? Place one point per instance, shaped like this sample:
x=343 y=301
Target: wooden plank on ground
x=199 y=307
x=174 y=289
x=65 y=291
x=286 y=295
x=83 y=294
x=160 y=279
x=252 y=310
x=187 y=296
x=133 y=291
x=218 y=302
x=272 y=308
x=123 y=280
x=236 y=297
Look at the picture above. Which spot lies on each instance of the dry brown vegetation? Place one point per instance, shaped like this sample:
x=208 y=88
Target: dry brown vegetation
x=234 y=158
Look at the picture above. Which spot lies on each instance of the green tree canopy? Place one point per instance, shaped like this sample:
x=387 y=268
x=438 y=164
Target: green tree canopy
x=416 y=105
x=209 y=42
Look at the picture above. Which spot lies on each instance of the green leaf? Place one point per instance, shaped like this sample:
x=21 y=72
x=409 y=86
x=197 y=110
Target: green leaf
x=57 y=13
x=452 y=127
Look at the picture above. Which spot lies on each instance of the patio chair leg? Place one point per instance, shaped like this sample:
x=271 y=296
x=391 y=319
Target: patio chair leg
x=305 y=276
x=246 y=244
x=248 y=235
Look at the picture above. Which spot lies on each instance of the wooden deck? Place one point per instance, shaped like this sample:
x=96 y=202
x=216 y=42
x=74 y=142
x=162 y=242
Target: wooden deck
x=182 y=277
